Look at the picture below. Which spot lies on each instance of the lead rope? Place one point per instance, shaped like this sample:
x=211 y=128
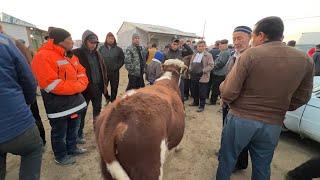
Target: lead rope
x=180 y=74
x=179 y=81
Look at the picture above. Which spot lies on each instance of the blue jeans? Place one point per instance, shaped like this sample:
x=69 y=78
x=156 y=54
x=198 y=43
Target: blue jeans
x=29 y=146
x=260 y=138
x=64 y=132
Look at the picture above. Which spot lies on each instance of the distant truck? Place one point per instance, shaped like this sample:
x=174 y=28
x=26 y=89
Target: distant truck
x=308 y=40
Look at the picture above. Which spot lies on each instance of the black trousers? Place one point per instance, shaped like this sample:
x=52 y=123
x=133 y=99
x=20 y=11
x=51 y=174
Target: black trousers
x=306 y=171
x=96 y=100
x=215 y=92
x=199 y=93
x=135 y=82
x=35 y=112
x=64 y=133
x=113 y=78
x=187 y=84
x=242 y=161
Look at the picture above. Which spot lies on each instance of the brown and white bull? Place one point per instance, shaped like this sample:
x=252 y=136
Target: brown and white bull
x=135 y=131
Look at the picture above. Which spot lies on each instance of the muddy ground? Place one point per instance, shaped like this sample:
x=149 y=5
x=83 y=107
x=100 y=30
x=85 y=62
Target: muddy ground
x=197 y=160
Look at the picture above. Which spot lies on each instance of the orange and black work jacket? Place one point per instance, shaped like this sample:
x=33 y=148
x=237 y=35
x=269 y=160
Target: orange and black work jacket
x=61 y=80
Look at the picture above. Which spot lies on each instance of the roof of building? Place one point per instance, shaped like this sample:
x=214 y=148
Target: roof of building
x=161 y=29
x=13 y=20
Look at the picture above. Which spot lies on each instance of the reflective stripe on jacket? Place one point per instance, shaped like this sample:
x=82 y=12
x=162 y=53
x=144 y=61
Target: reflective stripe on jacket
x=61 y=80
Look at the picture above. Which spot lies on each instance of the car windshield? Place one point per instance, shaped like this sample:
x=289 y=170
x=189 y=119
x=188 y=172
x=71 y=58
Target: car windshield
x=316 y=84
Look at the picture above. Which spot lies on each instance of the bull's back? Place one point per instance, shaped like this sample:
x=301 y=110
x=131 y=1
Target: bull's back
x=138 y=148
x=150 y=117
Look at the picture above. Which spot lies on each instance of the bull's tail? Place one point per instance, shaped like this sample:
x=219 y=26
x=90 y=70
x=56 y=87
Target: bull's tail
x=107 y=135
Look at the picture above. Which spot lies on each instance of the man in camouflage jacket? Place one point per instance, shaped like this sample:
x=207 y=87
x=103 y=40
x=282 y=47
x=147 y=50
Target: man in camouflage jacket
x=135 y=63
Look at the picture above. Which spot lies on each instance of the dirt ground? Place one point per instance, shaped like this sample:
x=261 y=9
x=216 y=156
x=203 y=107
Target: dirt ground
x=197 y=160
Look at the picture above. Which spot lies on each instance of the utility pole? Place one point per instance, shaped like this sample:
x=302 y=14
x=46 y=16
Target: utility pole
x=204 y=28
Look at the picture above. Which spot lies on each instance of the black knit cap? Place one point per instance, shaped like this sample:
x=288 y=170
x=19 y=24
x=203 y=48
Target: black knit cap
x=58 y=35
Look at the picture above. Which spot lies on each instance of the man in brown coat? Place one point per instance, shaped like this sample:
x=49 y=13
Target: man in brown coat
x=200 y=67
x=265 y=82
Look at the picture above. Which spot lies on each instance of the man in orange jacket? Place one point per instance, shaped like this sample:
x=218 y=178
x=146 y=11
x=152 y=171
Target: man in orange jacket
x=61 y=79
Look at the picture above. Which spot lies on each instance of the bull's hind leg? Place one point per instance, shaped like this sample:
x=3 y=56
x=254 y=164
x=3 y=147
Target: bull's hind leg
x=104 y=172
x=117 y=171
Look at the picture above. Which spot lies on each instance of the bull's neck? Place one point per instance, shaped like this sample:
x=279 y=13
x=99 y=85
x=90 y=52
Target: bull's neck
x=169 y=78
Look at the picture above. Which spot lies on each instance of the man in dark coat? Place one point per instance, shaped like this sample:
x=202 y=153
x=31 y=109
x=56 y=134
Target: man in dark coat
x=178 y=50
x=215 y=51
x=219 y=70
x=113 y=57
x=92 y=61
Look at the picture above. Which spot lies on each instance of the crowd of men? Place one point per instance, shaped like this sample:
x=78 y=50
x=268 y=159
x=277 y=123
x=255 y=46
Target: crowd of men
x=257 y=83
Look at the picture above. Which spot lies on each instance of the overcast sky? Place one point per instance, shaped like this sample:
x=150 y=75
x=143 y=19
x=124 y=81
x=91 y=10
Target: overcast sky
x=221 y=16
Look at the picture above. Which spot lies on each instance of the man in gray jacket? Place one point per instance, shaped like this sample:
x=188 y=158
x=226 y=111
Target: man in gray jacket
x=219 y=70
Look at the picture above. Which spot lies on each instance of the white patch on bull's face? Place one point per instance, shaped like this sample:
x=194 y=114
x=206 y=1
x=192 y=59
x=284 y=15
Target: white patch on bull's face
x=166 y=75
x=129 y=93
x=163 y=150
x=116 y=171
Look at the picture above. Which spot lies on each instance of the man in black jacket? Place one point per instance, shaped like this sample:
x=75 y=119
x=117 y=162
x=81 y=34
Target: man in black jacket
x=219 y=70
x=92 y=61
x=113 y=57
x=176 y=52
x=215 y=51
x=178 y=49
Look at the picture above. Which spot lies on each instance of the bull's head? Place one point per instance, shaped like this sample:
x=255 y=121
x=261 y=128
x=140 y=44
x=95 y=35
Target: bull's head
x=174 y=65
